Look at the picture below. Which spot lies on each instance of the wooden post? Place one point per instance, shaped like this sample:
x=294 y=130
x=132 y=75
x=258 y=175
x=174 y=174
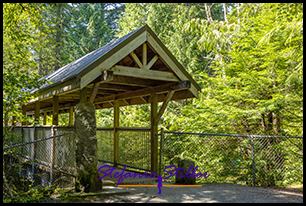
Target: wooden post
x=54 y=122
x=116 y=135
x=55 y=110
x=36 y=115
x=52 y=153
x=154 y=127
x=83 y=95
x=71 y=116
x=144 y=55
x=45 y=118
x=24 y=113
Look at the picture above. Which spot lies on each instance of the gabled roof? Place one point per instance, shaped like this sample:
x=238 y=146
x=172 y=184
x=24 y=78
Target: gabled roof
x=71 y=70
x=78 y=66
x=128 y=69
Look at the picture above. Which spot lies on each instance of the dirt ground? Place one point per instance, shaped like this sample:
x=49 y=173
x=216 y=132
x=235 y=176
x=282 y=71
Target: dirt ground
x=208 y=193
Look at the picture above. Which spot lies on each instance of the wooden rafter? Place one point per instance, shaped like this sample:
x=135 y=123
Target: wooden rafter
x=108 y=63
x=153 y=60
x=145 y=91
x=144 y=56
x=94 y=92
x=135 y=58
x=163 y=107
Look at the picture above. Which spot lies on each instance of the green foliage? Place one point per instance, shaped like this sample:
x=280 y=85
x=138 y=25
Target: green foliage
x=20 y=25
x=20 y=32
x=32 y=195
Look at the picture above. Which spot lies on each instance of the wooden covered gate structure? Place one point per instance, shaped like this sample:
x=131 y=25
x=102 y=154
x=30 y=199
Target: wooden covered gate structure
x=132 y=70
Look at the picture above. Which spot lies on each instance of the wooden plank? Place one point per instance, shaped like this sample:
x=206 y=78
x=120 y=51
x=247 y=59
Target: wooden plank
x=163 y=107
x=113 y=59
x=116 y=134
x=71 y=116
x=116 y=87
x=144 y=56
x=83 y=95
x=152 y=61
x=94 y=92
x=145 y=91
x=154 y=129
x=143 y=74
x=55 y=110
x=132 y=81
x=136 y=60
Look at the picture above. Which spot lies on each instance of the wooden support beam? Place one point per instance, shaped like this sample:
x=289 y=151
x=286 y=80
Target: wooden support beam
x=83 y=95
x=45 y=118
x=37 y=113
x=98 y=106
x=135 y=58
x=144 y=56
x=71 y=116
x=144 y=99
x=55 y=110
x=94 y=92
x=152 y=61
x=116 y=134
x=154 y=128
x=163 y=107
x=144 y=74
x=116 y=87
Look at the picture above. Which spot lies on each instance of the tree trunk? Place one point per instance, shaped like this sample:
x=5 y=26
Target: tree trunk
x=40 y=63
x=238 y=7
x=208 y=13
x=225 y=12
x=276 y=123
x=58 y=38
x=263 y=123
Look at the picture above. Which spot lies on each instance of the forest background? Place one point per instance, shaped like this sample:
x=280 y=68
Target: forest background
x=247 y=58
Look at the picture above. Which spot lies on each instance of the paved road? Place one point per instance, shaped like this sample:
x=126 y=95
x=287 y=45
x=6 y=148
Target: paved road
x=208 y=193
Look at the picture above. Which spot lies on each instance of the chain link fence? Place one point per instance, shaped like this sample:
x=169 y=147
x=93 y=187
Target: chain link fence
x=45 y=161
x=134 y=149
x=241 y=159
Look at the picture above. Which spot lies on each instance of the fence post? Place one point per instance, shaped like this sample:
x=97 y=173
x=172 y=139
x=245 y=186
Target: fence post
x=253 y=160
x=52 y=153
x=161 y=149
